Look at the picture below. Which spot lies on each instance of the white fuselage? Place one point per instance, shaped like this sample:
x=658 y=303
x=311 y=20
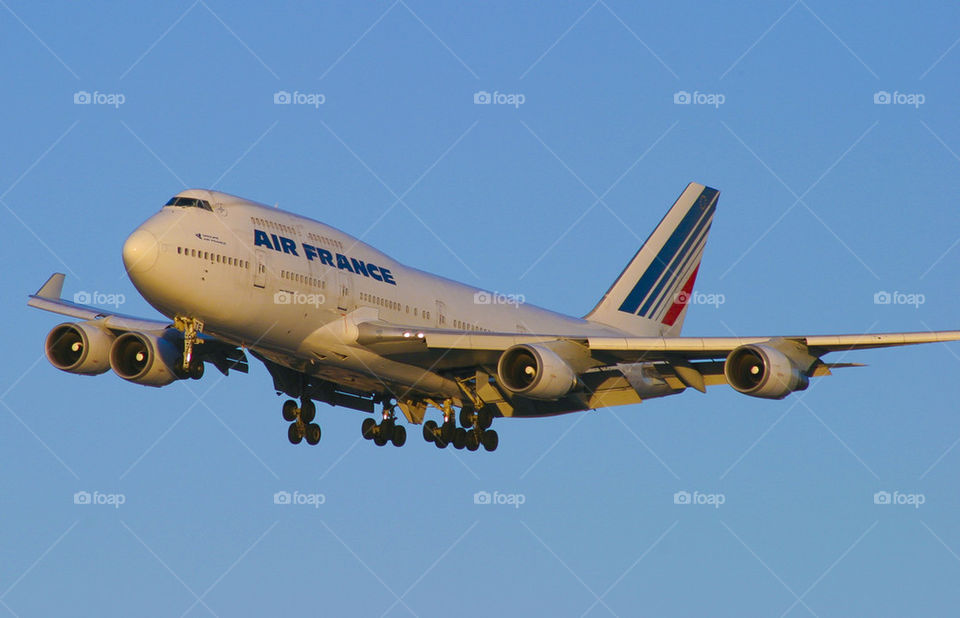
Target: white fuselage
x=280 y=283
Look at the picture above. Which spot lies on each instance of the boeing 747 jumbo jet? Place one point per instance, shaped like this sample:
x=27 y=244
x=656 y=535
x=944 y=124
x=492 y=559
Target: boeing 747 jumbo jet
x=335 y=320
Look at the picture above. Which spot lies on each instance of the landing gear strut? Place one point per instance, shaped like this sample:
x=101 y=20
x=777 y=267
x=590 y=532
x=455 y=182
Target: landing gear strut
x=301 y=421
x=386 y=431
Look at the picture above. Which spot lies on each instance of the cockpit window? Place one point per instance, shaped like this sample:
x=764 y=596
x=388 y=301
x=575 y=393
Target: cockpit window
x=189 y=202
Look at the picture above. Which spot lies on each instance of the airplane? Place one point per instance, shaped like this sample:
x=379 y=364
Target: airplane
x=336 y=321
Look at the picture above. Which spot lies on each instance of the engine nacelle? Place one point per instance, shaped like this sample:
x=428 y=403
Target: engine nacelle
x=80 y=347
x=535 y=371
x=145 y=359
x=763 y=371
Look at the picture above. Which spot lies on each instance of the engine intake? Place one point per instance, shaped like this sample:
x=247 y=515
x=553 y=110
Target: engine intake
x=81 y=348
x=763 y=371
x=535 y=371
x=145 y=359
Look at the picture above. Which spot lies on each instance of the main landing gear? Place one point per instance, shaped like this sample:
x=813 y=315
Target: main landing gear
x=301 y=421
x=385 y=431
x=473 y=432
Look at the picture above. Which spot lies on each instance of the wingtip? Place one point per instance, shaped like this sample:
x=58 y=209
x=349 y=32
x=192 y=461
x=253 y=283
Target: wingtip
x=53 y=288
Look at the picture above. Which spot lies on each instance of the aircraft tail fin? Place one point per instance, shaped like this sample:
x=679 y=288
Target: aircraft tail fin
x=651 y=295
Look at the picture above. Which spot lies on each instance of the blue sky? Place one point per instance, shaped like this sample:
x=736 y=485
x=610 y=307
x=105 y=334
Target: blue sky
x=828 y=198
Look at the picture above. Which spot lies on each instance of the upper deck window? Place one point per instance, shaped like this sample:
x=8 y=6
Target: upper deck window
x=189 y=202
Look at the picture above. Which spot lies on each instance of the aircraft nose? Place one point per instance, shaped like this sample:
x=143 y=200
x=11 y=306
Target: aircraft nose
x=140 y=251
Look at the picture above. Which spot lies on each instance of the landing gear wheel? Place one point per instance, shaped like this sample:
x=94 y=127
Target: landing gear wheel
x=399 y=437
x=473 y=442
x=428 y=429
x=366 y=428
x=466 y=417
x=308 y=411
x=490 y=440
x=312 y=434
x=447 y=430
x=196 y=370
x=440 y=443
x=459 y=438
x=290 y=410
x=386 y=430
x=485 y=418
x=379 y=439
x=295 y=433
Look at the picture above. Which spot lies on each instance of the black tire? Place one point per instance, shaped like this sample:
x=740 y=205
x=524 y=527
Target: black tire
x=379 y=439
x=399 y=437
x=312 y=434
x=308 y=411
x=440 y=443
x=196 y=370
x=447 y=430
x=485 y=418
x=366 y=428
x=428 y=429
x=386 y=430
x=459 y=438
x=295 y=433
x=473 y=442
x=466 y=417
x=290 y=410
x=490 y=440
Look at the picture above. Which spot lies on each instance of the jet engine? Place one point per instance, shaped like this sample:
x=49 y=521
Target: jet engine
x=80 y=347
x=147 y=359
x=763 y=371
x=535 y=371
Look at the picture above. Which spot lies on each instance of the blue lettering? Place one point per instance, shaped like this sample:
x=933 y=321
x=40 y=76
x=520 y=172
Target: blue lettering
x=325 y=257
x=387 y=277
x=343 y=263
x=260 y=239
x=288 y=246
x=359 y=267
x=276 y=242
x=310 y=251
x=372 y=269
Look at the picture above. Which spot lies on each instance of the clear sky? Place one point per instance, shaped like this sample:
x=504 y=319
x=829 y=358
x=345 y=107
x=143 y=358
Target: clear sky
x=828 y=199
